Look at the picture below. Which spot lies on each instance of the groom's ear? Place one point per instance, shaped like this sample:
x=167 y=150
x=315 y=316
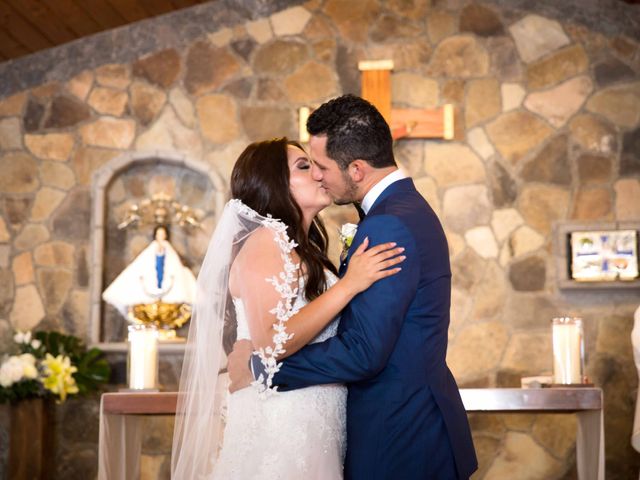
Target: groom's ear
x=357 y=170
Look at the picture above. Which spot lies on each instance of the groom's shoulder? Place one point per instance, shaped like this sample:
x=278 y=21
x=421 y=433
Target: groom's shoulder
x=383 y=227
x=406 y=207
x=387 y=226
x=416 y=216
x=382 y=220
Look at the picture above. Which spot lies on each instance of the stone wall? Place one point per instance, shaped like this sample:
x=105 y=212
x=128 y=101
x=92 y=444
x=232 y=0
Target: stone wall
x=129 y=187
x=548 y=130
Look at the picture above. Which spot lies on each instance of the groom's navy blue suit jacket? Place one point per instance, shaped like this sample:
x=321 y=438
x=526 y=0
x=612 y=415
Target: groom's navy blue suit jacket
x=405 y=418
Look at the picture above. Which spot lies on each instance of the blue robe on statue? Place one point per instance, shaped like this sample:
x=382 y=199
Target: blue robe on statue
x=160 y=269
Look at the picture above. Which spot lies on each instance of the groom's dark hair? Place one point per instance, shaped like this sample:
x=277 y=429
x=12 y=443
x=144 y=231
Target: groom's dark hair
x=355 y=130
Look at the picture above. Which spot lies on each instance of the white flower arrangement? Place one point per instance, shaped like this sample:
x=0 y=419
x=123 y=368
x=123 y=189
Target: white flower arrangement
x=17 y=368
x=50 y=364
x=347 y=233
x=24 y=338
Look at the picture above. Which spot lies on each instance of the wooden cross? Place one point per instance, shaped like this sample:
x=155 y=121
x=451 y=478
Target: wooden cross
x=403 y=122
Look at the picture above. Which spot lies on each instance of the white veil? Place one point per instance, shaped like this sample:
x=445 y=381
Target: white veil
x=199 y=420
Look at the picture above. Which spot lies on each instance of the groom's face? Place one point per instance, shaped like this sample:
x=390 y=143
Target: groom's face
x=337 y=182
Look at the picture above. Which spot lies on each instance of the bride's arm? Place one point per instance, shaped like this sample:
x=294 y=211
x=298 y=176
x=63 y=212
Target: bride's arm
x=261 y=258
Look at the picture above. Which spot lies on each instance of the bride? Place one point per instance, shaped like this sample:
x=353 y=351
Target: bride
x=266 y=277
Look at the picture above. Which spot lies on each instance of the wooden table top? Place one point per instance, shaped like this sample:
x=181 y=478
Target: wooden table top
x=547 y=400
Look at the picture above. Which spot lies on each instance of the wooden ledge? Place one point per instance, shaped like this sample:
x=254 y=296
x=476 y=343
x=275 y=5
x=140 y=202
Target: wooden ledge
x=542 y=400
x=142 y=403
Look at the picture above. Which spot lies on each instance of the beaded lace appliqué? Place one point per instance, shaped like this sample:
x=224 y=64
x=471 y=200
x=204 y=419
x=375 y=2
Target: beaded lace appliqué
x=284 y=284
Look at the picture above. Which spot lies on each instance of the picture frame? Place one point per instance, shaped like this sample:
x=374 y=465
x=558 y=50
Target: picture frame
x=603 y=255
x=584 y=260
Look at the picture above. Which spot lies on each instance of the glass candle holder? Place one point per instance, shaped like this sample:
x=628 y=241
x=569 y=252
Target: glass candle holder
x=142 y=359
x=568 y=350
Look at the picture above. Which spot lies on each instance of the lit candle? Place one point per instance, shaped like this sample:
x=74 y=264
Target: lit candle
x=303 y=116
x=568 y=348
x=143 y=357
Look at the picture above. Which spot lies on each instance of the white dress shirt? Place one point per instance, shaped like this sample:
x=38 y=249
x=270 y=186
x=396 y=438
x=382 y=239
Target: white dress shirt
x=373 y=194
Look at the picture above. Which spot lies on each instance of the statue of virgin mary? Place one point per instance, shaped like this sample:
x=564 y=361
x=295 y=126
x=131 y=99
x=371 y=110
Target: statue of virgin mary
x=154 y=284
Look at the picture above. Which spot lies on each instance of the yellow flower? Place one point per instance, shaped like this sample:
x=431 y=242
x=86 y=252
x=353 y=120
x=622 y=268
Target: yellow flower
x=59 y=379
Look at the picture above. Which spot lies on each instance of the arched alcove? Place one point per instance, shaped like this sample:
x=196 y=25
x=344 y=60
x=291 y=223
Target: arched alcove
x=129 y=179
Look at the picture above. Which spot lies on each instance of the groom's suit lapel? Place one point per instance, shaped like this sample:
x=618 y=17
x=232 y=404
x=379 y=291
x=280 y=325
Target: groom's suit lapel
x=404 y=185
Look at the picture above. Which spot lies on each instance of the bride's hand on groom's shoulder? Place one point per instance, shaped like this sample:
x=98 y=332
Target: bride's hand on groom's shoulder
x=368 y=265
x=238 y=365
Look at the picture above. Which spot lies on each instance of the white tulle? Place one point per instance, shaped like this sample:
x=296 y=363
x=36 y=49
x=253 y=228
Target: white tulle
x=198 y=425
x=264 y=435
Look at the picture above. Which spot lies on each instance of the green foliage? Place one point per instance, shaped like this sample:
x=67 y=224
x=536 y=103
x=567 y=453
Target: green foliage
x=22 y=390
x=92 y=369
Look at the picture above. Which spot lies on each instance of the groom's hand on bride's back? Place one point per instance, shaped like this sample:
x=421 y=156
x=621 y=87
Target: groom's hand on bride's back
x=240 y=375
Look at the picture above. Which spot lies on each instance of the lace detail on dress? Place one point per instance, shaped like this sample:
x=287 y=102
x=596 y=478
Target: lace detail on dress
x=293 y=435
x=283 y=310
x=285 y=285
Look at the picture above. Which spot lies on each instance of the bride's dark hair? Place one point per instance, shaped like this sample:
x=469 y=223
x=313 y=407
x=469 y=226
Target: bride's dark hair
x=260 y=179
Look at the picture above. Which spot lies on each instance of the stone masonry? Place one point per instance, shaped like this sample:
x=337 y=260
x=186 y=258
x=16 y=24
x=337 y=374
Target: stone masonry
x=548 y=128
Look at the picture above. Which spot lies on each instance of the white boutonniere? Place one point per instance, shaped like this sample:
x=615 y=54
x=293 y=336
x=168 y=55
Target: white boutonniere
x=347 y=232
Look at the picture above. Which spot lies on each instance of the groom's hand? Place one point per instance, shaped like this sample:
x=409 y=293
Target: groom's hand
x=240 y=375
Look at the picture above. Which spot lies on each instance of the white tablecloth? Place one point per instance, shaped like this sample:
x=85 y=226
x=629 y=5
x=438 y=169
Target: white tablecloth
x=119 y=446
x=635 y=341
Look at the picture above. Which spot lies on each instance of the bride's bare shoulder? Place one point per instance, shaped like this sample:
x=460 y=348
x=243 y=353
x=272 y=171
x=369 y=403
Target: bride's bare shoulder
x=260 y=242
x=258 y=254
x=257 y=247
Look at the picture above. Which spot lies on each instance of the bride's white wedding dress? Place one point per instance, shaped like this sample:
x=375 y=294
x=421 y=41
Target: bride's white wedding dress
x=255 y=433
x=293 y=435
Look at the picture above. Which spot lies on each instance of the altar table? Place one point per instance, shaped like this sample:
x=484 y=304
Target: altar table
x=120 y=414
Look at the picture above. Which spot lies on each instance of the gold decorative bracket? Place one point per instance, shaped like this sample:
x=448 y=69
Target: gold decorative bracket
x=160 y=209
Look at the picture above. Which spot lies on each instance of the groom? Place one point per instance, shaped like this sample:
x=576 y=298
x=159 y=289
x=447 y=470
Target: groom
x=405 y=418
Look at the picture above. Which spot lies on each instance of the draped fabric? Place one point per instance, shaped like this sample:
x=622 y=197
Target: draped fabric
x=635 y=341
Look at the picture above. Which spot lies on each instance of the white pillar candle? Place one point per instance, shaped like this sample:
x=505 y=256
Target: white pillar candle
x=303 y=116
x=568 y=350
x=143 y=357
